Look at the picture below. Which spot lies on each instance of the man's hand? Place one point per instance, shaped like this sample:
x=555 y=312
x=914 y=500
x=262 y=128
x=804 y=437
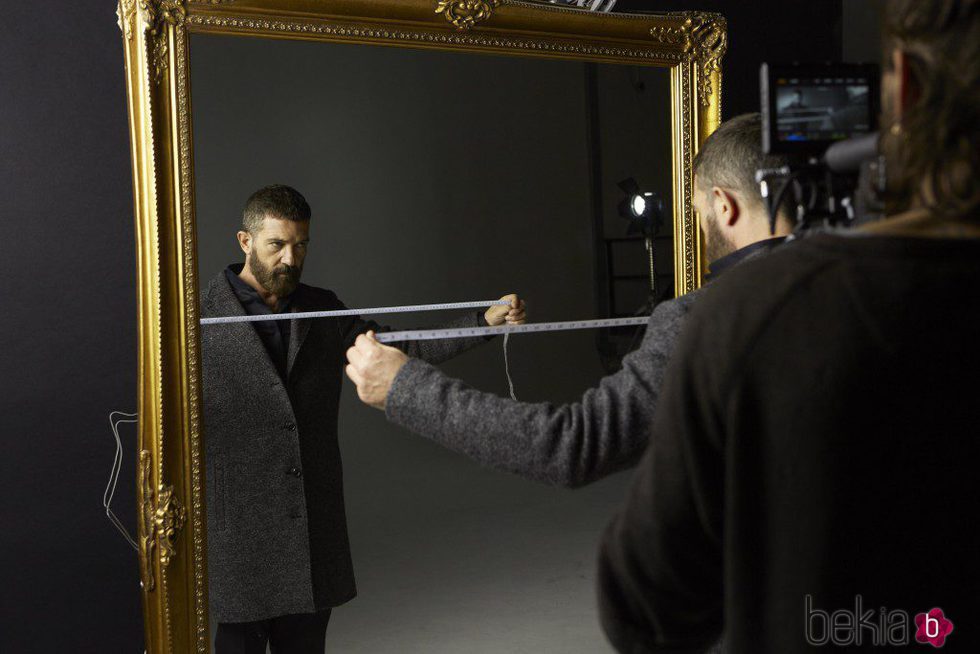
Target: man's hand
x=513 y=314
x=373 y=366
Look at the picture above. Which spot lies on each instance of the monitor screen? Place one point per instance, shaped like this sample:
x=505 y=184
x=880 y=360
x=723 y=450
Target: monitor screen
x=822 y=109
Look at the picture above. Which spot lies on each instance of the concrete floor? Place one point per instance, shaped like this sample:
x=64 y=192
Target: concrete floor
x=451 y=557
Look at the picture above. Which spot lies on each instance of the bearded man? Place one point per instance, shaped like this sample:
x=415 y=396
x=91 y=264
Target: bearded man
x=278 y=552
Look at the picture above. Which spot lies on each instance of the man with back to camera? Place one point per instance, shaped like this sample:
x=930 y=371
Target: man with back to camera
x=607 y=430
x=811 y=477
x=278 y=554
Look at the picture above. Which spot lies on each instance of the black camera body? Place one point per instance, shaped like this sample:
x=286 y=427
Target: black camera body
x=823 y=118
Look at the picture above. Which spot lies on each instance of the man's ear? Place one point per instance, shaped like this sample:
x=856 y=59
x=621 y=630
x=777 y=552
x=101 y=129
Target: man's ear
x=727 y=206
x=245 y=242
x=906 y=93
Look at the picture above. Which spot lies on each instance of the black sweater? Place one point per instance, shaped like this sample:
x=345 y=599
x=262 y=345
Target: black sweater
x=816 y=438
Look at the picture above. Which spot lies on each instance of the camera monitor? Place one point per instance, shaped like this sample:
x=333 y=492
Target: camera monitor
x=807 y=108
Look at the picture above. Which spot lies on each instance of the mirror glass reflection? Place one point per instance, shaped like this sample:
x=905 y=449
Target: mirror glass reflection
x=431 y=177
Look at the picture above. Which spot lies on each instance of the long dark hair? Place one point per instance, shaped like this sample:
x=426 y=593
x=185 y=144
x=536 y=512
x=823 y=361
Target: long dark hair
x=934 y=155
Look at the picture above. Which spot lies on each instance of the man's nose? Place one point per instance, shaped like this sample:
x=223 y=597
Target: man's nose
x=288 y=256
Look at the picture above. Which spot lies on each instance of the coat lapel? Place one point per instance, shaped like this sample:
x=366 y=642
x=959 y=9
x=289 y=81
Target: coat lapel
x=298 y=329
x=222 y=301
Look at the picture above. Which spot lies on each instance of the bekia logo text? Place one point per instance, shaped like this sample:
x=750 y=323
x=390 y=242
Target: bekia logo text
x=860 y=626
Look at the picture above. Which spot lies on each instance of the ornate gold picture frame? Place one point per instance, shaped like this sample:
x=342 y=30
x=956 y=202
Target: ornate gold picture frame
x=170 y=484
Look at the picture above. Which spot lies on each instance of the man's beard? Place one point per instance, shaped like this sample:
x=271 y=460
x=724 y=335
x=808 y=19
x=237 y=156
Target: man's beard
x=280 y=281
x=717 y=245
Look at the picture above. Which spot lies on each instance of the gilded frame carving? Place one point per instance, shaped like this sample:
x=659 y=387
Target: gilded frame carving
x=170 y=484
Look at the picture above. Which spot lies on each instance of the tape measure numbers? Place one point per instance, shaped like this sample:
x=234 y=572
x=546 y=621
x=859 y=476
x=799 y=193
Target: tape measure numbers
x=407 y=308
x=434 y=334
x=537 y=327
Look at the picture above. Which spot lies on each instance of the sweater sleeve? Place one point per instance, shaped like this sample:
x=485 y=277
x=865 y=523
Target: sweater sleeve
x=567 y=445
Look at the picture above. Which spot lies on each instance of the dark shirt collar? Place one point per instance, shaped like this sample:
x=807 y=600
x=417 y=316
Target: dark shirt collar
x=273 y=333
x=717 y=267
x=249 y=297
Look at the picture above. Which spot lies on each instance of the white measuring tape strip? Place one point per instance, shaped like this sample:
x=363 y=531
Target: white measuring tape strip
x=434 y=334
x=407 y=308
x=117 y=418
x=510 y=380
x=470 y=332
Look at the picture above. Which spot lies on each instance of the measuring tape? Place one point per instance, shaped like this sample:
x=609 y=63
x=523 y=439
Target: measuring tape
x=407 y=308
x=470 y=332
x=435 y=334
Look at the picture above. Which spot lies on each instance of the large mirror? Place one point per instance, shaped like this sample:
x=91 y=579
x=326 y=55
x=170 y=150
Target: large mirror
x=432 y=176
x=492 y=151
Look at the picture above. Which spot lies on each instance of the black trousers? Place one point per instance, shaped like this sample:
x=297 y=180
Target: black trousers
x=302 y=633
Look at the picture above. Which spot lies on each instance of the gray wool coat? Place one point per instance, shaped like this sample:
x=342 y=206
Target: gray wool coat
x=564 y=445
x=277 y=530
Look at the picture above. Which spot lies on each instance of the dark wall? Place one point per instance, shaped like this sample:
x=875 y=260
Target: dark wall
x=861 y=33
x=68 y=317
x=70 y=581
x=762 y=30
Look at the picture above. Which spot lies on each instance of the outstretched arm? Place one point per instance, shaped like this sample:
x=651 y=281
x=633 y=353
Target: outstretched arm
x=568 y=445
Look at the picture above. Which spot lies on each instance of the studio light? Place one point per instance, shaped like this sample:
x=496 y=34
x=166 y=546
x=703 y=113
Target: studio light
x=644 y=209
x=639 y=205
x=646 y=215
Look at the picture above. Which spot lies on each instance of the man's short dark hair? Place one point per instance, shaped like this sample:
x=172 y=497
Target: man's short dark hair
x=276 y=201
x=732 y=153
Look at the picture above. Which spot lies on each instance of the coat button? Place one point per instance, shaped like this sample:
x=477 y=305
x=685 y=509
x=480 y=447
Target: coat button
x=291 y=426
x=296 y=472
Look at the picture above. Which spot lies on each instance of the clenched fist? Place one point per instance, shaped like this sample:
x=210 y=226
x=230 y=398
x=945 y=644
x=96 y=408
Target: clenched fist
x=512 y=314
x=372 y=367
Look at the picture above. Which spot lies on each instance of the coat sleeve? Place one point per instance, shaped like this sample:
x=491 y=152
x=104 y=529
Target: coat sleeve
x=431 y=351
x=567 y=445
x=660 y=563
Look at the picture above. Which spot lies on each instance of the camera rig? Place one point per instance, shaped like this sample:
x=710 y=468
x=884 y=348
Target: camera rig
x=822 y=118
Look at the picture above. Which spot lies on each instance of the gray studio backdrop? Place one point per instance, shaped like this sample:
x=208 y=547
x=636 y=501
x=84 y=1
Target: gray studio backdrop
x=443 y=177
